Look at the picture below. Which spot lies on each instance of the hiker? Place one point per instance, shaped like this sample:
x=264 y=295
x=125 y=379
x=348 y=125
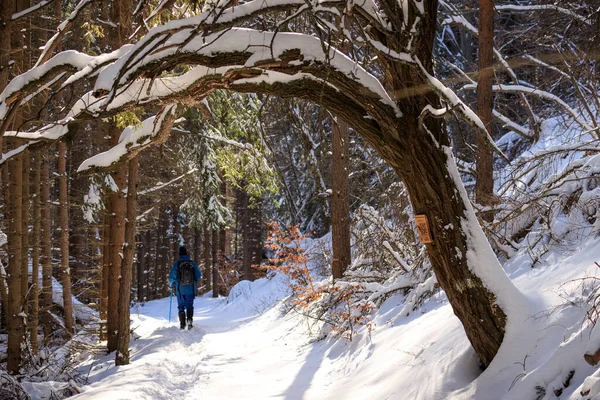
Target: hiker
x=182 y=279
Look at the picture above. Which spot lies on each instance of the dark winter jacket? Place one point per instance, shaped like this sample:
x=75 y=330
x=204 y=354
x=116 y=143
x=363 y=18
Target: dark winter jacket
x=173 y=278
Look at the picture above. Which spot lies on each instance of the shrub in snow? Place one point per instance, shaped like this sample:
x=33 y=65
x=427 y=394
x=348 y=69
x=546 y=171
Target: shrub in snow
x=10 y=388
x=343 y=307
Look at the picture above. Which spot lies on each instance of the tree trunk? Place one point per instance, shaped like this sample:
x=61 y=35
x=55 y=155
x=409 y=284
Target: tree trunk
x=122 y=357
x=252 y=231
x=438 y=193
x=215 y=263
x=14 y=309
x=207 y=260
x=7 y=9
x=6 y=224
x=465 y=266
x=157 y=255
x=65 y=274
x=142 y=267
x=484 y=185
x=25 y=230
x=35 y=256
x=165 y=258
x=120 y=16
x=13 y=40
x=105 y=270
x=225 y=234
x=46 y=247
x=117 y=238
x=197 y=244
x=242 y=199
x=340 y=204
x=176 y=229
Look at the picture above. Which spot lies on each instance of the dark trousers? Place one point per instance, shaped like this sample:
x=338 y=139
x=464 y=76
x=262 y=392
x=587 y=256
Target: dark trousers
x=185 y=301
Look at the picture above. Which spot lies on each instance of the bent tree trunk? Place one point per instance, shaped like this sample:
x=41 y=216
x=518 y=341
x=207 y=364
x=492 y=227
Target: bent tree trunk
x=420 y=153
x=433 y=192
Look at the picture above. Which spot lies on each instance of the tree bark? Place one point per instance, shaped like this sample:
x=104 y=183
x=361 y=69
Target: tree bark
x=340 y=203
x=484 y=185
x=46 y=247
x=176 y=229
x=197 y=244
x=35 y=256
x=434 y=194
x=207 y=260
x=117 y=238
x=215 y=263
x=25 y=230
x=120 y=16
x=105 y=270
x=15 y=208
x=6 y=224
x=14 y=319
x=165 y=258
x=122 y=357
x=158 y=255
x=7 y=9
x=65 y=273
x=244 y=207
x=142 y=267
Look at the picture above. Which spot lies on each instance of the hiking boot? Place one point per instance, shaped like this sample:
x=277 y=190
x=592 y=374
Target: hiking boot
x=190 y=317
x=181 y=319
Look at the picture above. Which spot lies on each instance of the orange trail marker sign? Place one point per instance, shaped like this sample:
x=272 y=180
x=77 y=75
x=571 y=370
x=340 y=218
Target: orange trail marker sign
x=423 y=228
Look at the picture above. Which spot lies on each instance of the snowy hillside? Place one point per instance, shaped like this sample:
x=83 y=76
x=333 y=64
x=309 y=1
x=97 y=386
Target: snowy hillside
x=244 y=347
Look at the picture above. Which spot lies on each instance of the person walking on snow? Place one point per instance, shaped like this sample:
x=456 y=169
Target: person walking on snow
x=182 y=279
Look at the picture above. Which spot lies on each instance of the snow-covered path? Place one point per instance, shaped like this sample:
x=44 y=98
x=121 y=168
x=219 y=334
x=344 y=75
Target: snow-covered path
x=244 y=347
x=247 y=349
x=233 y=352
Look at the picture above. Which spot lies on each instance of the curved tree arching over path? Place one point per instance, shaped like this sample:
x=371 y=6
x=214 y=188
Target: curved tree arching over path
x=395 y=106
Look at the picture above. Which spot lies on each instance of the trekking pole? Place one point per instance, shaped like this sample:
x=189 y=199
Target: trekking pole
x=170 y=302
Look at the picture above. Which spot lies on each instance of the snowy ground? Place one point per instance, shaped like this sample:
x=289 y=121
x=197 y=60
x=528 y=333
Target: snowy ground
x=245 y=348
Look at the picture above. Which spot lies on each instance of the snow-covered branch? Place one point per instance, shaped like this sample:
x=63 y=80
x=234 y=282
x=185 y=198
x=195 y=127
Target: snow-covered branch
x=80 y=66
x=541 y=94
x=457 y=104
x=32 y=9
x=61 y=31
x=542 y=7
x=166 y=184
x=133 y=139
x=462 y=21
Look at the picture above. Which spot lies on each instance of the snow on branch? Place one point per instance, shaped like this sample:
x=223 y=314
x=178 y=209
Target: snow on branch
x=521 y=130
x=462 y=21
x=541 y=94
x=537 y=7
x=60 y=32
x=132 y=140
x=454 y=102
x=14 y=152
x=166 y=184
x=248 y=47
x=32 y=9
x=223 y=16
x=198 y=82
x=41 y=77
